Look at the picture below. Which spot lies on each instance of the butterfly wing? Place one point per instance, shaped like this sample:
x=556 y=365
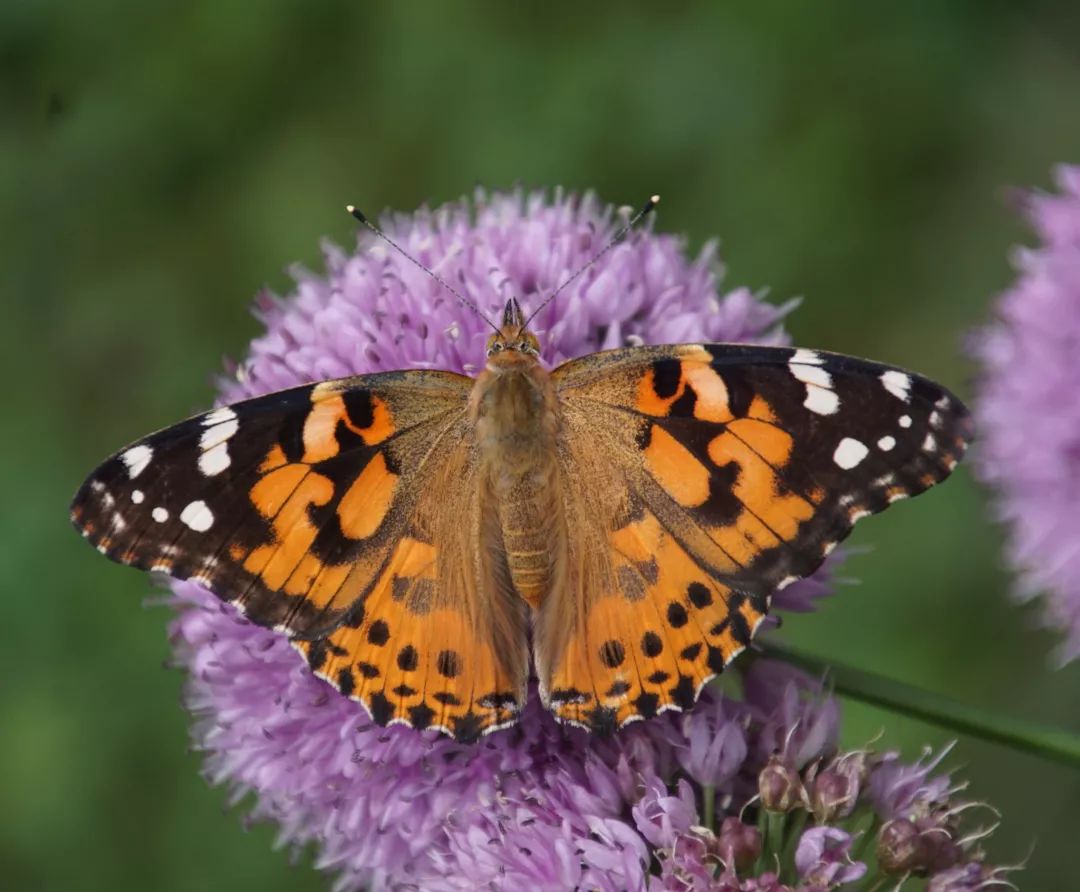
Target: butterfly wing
x=727 y=472
x=306 y=509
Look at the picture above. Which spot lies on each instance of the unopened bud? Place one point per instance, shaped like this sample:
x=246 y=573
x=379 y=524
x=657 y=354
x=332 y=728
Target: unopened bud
x=780 y=786
x=900 y=847
x=834 y=794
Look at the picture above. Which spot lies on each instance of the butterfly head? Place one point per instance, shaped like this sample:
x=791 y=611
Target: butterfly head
x=513 y=343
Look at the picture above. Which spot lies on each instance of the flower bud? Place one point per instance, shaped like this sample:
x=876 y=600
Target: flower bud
x=942 y=850
x=835 y=790
x=901 y=847
x=780 y=786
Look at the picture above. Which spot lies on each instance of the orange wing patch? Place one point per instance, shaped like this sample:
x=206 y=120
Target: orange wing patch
x=764 y=514
x=650 y=643
x=365 y=504
x=329 y=411
x=412 y=657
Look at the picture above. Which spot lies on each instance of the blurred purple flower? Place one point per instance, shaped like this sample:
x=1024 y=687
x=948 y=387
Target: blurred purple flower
x=714 y=747
x=900 y=789
x=823 y=858
x=540 y=805
x=971 y=877
x=1028 y=413
x=796 y=723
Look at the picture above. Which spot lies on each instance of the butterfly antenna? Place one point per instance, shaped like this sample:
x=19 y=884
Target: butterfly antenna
x=615 y=239
x=359 y=215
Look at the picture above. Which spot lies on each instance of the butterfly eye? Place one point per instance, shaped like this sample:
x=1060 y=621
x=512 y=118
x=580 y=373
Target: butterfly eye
x=495 y=348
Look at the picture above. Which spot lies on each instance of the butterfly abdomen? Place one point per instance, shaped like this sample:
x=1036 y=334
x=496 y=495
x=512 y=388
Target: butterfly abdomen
x=516 y=423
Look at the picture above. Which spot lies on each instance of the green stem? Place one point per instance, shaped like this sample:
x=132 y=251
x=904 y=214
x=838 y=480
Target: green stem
x=709 y=797
x=771 y=825
x=796 y=823
x=1048 y=743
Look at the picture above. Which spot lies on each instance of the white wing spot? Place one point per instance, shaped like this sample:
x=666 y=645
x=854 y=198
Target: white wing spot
x=849 y=453
x=137 y=496
x=905 y=421
x=806 y=357
x=811 y=374
x=886 y=443
x=929 y=444
x=805 y=366
x=137 y=458
x=935 y=419
x=220 y=426
x=219 y=433
x=219 y=416
x=821 y=401
x=160 y=514
x=215 y=460
x=197 y=516
x=897 y=383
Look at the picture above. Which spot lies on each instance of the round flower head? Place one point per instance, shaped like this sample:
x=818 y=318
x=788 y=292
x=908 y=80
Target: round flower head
x=1028 y=413
x=539 y=805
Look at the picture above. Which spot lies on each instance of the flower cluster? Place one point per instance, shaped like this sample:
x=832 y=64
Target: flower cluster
x=1028 y=414
x=745 y=792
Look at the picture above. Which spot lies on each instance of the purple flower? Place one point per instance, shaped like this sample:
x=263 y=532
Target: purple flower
x=971 y=877
x=662 y=817
x=714 y=747
x=823 y=858
x=792 y=718
x=900 y=789
x=1028 y=414
x=538 y=806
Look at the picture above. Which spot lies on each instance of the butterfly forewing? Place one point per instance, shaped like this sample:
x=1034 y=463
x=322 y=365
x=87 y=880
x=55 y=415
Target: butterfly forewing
x=304 y=509
x=729 y=471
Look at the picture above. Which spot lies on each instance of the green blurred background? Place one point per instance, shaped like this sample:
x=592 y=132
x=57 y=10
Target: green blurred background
x=161 y=162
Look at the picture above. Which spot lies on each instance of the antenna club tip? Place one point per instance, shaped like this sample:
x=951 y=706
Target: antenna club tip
x=654 y=200
x=356 y=212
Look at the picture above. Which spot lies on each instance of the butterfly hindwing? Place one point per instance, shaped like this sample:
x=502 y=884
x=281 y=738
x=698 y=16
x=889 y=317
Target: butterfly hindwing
x=304 y=508
x=738 y=468
x=438 y=639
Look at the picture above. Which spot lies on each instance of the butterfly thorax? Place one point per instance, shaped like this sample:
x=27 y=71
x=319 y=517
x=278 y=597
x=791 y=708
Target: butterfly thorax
x=515 y=412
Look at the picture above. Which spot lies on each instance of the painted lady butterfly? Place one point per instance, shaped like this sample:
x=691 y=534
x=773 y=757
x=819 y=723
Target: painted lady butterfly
x=625 y=517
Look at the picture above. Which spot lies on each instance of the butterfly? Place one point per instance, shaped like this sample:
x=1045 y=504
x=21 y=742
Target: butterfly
x=617 y=525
